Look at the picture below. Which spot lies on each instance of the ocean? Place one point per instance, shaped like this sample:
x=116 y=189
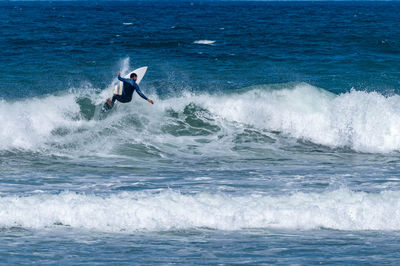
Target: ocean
x=274 y=137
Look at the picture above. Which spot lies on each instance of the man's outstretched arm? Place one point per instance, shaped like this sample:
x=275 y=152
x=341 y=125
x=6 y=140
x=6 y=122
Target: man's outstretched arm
x=142 y=95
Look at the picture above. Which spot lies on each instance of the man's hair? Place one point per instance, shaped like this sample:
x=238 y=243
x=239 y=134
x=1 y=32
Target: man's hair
x=133 y=75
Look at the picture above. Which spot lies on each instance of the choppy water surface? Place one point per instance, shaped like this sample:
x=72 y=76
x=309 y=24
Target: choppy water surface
x=274 y=137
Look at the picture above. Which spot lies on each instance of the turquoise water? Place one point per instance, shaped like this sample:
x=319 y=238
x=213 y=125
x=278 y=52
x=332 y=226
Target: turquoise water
x=274 y=137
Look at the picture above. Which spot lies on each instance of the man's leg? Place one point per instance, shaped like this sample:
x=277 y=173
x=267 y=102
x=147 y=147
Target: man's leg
x=114 y=98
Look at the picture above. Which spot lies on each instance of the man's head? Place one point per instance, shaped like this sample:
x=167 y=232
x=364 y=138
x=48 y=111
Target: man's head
x=134 y=76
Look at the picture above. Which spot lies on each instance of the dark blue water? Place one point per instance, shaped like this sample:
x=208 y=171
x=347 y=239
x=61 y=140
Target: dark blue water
x=274 y=137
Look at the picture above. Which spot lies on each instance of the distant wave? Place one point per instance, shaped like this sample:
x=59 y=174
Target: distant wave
x=127 y=23
x=206 y=42
x=169 y=210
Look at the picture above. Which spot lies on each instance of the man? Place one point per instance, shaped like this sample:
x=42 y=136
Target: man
x=127 y=91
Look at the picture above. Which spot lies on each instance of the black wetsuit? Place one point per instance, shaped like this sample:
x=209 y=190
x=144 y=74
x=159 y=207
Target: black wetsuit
x=127 y=91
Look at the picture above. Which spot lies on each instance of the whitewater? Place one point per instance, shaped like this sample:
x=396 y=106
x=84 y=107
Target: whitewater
x=273 y=139
x=169 y=210
x=361 y=121
x=239 y=126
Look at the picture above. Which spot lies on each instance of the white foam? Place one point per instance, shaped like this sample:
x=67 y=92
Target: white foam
x=362 y=121
x=206 y=42
x=127 y=23
x=169 y=210
x=29 y=123
x=54 y=123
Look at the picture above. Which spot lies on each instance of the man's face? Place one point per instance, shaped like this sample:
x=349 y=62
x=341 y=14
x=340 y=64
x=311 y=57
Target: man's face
x=134 y=78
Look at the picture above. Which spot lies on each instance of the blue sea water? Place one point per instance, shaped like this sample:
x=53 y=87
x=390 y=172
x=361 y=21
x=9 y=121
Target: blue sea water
x=274 y=137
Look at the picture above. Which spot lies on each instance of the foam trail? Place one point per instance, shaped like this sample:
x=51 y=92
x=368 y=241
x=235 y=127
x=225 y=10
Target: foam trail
x=169 y=210
x=124 y=68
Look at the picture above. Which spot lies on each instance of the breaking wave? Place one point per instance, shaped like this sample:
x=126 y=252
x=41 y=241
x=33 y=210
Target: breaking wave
x=169 y=210
x=362 y=121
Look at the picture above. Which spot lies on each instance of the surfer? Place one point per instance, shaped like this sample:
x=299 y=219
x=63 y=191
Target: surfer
x=127 y=91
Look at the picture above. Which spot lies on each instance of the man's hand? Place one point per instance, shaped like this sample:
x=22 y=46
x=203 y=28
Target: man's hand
x=119 y=74
x=150 y=101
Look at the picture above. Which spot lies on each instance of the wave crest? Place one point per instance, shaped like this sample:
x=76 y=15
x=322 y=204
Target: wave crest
x=362 y=121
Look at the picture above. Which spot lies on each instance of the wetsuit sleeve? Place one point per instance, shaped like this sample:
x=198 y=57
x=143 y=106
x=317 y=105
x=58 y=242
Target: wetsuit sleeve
x=140 y=92
x=125 y=80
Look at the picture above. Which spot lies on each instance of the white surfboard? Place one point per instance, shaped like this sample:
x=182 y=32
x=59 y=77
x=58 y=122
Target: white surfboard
x=118 y=88
x=140 y=74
